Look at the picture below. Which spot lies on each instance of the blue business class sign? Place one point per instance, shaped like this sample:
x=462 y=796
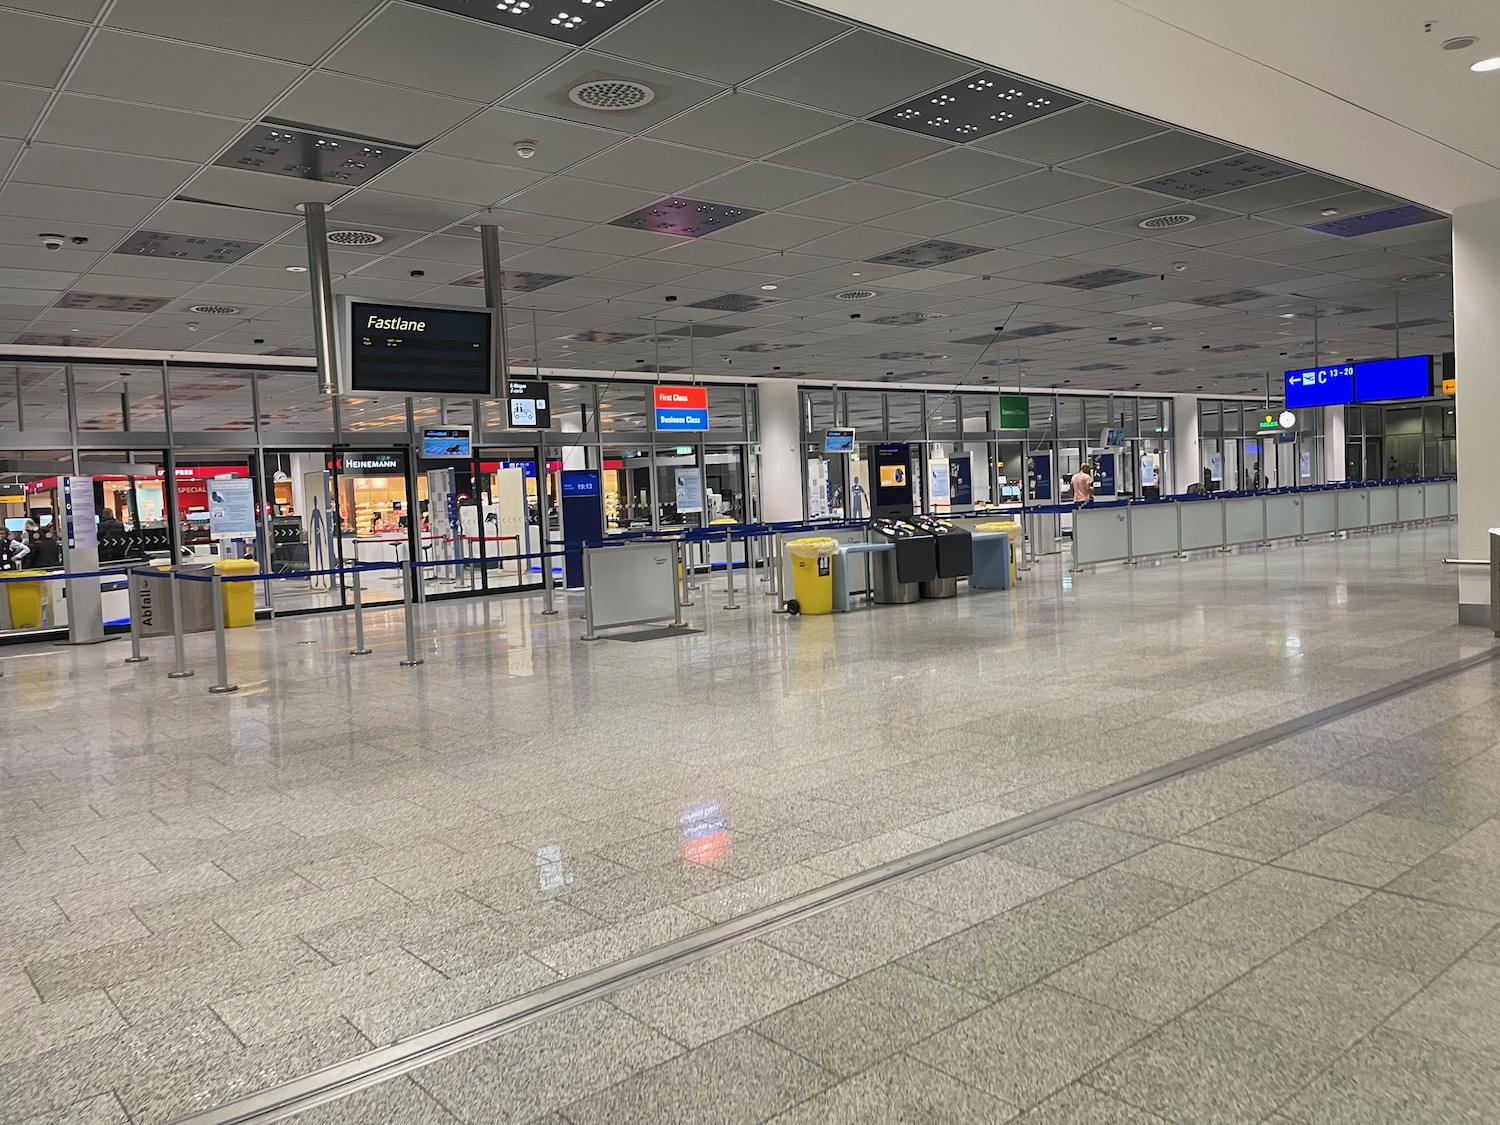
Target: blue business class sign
x=1320 y=386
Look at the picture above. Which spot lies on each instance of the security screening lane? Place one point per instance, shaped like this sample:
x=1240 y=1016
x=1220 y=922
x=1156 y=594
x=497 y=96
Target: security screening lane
x=210 y=896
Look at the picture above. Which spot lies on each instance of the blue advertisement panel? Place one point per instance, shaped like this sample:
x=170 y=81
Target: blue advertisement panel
x=582 y=520
x=1039 y=476
x=1104 y=482
x=1383 y=379
x=1320 y=386
x=960 y=481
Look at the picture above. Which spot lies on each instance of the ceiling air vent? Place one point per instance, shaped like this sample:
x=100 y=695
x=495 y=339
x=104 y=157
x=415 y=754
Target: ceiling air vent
x=354 y=238
x=855 y=295
x=214 y=310
x=1432 y=275
x=1167 y=222
x=611 y=95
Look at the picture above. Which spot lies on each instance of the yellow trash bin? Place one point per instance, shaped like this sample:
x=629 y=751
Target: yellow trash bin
x=812 y=574
x=239 y=597
x=1013 y=529
x=26 y=599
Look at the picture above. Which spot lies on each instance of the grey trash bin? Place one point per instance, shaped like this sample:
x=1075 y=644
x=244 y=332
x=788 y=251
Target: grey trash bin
x=153 y=601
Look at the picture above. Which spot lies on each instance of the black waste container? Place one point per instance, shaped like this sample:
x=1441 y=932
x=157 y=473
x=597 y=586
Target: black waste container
x=955 y=556
x=898 y=573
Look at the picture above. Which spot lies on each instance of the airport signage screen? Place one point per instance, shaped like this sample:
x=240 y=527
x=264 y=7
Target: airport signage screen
x=530 y=404
x=1383 y=379
x=1320 y=386
x=451 y=443
x=415 y=349
x=681 y=409
x=838 y=441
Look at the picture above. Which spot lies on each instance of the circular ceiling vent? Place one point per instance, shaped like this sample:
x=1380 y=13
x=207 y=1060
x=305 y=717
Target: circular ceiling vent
x=214 y=310
x=354 y=237
x=855 y=294
x=612 y=95
x=1460 y=42
x=1167 y=222
x=1431 y=275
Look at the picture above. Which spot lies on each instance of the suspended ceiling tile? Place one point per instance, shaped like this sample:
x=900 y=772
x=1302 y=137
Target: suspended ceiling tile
x=655 y=166
x=401 y=212
x=60 y=166
x=35 y=279
x=360 y=108
x=747 y=125
x=954 y=171
x=645 y=271
x=672 y=93
x=976 y=106
x=209 y=221
x=70 y=205
x=1011 y=230
x=859 y=150
x=437 y=176
x=84 y=10
x=747 y=37
x=19 y=107
x=939 y=217
x=235 y=188
x=1153 y=156
x=553 y=259
x=1071 y=242
x=575 y=24
x=494 y=134
x=581 y=199
x=764 y=186
x=856 y=244
x=259 y=28
x=615 y=240
x=706 y=252
x=142 y=130
x=857 y=203
x=1033 y=191
x=1216 y=234
x=861 y=73
x=178 y=75
x=34 y=50
x=148 y=273
x=1102 y=207
x=1068 y=135
x=432 y=50
x=779 y=232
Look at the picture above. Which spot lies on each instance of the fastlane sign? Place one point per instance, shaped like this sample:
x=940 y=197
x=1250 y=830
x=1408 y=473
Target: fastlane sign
x=681 y=408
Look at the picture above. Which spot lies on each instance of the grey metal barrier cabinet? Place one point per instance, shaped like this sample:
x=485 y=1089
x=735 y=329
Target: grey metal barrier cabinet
x=154 y=602
x=631 y=584
x=992 y=561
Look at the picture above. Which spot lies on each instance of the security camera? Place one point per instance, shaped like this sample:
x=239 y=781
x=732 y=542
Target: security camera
x=79 y=240
x=526 y=149
x=1180 y=267
x=53 y=241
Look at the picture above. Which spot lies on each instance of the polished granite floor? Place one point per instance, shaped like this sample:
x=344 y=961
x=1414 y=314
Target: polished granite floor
x=208 y=895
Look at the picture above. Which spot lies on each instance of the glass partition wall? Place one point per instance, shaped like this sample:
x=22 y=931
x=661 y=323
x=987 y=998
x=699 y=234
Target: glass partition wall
x=338 y=480
x=1244 y=447
x=1394 y=440
x=943 y=427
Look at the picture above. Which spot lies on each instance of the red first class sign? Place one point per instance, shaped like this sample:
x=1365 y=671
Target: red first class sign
x=682 y=398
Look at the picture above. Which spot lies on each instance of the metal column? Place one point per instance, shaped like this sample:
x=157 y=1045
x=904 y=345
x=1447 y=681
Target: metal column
x=320 y=283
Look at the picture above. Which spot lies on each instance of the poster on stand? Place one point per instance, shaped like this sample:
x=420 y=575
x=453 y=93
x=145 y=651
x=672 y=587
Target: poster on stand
x=78 y=509
x=689 y=484
x=939 y=490
x=231 y=508
x=1039 y=476
x=961 y=481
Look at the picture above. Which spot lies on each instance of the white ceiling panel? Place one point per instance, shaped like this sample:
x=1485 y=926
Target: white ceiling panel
x=747 y=125
x=58 y=166
x=655 y=165
x=495 y=133
x=259 y=28
x=706 y=252
x=19 y=108
x=370 y=109
x=72 y=205
x=778 y=232
x=861 y=73
x=622 y=241
x=462 y=181
x=36 y=51
x=178 y=75
x=938 y=217
x=1102 y=207
x=447 y=54
x=859 y=150
x=1033 y=191
x=256 y=190
x=857 y=203
x=1154 y=156
x=855 y=243
x=749 y=36
x=581 y=199
x=211 y=221
x=764 y=186
x=1075 y=132
x=401 y=212
x=95 y=123
x=954 y=171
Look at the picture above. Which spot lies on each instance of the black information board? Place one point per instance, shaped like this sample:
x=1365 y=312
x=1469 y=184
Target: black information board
x=418 y=350
x=530 y=404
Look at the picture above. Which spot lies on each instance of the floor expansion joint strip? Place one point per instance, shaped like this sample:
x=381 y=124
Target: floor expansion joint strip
x=332 y=1083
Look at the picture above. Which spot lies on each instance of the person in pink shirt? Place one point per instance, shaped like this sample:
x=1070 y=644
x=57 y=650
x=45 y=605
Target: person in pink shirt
x=1083 y=486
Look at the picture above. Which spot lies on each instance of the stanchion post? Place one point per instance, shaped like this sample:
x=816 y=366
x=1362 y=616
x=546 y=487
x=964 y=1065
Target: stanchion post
x=179 y=671
x=677 y=585
x=408 y=589
x=729 y=567
x=682 y=557
x=132 y=582
x=549 y=583
x=360 y=648
x=221 y=645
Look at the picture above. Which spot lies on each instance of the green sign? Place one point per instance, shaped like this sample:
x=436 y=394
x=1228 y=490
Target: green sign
x=1015 y=412
x=1268 y=422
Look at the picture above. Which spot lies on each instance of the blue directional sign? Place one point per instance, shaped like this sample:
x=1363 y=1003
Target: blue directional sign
x=1383 y=379
x=1320 y=386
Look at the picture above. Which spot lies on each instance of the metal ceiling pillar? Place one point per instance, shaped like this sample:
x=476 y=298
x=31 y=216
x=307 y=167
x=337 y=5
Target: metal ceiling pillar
x=494 y=297
x=320 y=283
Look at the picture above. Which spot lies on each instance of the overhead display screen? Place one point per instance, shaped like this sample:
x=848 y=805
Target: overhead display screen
x=451 y=442
x=1320 y=386
x=416 y=349
x=1381 y=379
x=838 y=441
x=892 y=473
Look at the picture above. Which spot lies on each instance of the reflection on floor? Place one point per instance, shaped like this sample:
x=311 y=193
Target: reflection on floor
x=207 y=895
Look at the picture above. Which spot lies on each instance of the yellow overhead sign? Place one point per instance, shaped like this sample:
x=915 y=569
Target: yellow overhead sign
x=1450 y=386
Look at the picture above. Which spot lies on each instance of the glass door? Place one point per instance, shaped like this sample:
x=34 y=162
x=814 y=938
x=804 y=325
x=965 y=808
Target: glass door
x=371 y=495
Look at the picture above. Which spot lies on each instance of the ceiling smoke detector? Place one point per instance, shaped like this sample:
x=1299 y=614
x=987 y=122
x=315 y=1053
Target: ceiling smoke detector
x=1431 y=275
x=354 y=238
x=611 y=95
x=214 y=310
x=855 y=295
x=1460 y=43
x=1167 y=222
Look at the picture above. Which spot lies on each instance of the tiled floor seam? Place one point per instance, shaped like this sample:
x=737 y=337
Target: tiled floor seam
x=361 y=1072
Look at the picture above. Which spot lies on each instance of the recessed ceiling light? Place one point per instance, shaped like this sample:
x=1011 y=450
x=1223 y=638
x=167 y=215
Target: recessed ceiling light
x=1287 y=316
x=296 y=269
x=1460 y=42
x=1486 y=64
x=1156 y=328
x=1329 y=211
x=768 y=288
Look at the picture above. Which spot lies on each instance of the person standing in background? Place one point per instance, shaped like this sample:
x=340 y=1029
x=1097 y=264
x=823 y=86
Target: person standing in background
x=1082 y=485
